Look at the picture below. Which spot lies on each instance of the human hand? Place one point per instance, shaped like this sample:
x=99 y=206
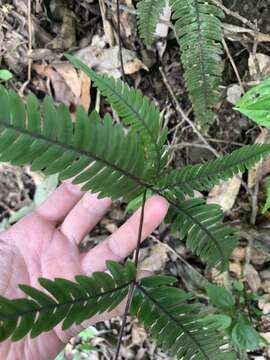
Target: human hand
x=45 y=244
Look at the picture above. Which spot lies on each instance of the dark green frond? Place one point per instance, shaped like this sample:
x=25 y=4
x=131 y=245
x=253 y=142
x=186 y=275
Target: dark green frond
x=200 y=226
x=204 y=176
x=199 y=29
x=148 y=13
x=95 y=152
x=65 y=301
x=176 y=325
x=137 y=112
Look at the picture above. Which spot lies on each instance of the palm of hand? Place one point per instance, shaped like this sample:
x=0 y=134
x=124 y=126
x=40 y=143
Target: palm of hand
x=45 y=244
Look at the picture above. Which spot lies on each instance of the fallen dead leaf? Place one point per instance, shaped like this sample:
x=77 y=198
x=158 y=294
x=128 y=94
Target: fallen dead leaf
x=234 y=93
x=225 y=193
x=156 y=258
x=266 y=287
x=239 y=253
x=139 y=335
x=70 y=87
x=236 y=268
x=106 y=60
x=261 y=63
x=256 y=172
x=252 y=277
x=264 y=303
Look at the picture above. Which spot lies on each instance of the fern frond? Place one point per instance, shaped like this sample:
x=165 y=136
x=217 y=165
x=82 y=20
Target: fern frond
x=148 y=13
x=65 y=301
x=205 y=176
x=199 y=29
x=136 y=111
x=200 y=225
x=176 y=325
x=96 y=152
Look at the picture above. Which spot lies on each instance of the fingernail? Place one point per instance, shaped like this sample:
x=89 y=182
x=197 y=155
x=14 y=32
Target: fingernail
x=74 y=189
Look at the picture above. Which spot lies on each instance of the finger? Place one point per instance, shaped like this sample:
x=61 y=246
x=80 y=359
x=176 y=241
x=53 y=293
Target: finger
x=60 y=202
x=84 y=217
x=123 y=241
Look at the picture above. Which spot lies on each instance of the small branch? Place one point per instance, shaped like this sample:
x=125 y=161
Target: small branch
x=235 y=15
x=184 y=116
x=132 y=287
x=30 y=39
x=119 y=39
x=233 y=65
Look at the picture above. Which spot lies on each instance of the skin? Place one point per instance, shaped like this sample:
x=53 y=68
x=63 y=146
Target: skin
x=45 y=244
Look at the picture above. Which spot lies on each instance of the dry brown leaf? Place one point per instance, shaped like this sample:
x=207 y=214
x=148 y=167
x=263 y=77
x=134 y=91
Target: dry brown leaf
x=252 y=277
x=234 y=93
x=70 y=87
x=264 y=301
x=106 y=60
x=139 y=335
x=255 y=173
x=235 y=268
x=259 y=62
x=133 y=66
x=266 y=287
x=225 y=193
x=157 y=258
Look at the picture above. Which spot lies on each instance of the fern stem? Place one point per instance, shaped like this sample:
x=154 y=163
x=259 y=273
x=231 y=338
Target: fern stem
x=134 y=283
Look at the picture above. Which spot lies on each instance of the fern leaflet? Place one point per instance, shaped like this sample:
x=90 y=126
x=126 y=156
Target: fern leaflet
x=148 y=13
x=204 y=176
x=95 y=152
x=67 y=301
x=137 y=112
x=199 y=28
x=200 y=225
x=176 y=325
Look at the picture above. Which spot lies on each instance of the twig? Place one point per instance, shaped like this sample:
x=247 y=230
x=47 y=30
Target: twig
x=235 y=15
x=225 y=142
x=30 y=39
x=120 y=39
x=132 y=287
x=121 y=7
x=184 y=144
x=233 y=65
x=184 y=116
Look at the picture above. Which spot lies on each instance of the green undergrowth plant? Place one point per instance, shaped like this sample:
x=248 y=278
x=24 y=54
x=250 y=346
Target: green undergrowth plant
x=198 y=25
x=236 y=311
x=255 y=104
x=124 y=161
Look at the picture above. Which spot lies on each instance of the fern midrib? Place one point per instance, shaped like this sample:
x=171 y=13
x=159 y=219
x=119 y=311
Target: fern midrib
x=158 y=155
x=171 y=317
x=210 y=174
x=75 y=150
x=59 y=305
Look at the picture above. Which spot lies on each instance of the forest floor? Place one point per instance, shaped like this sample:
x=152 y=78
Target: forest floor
x=88 y=29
